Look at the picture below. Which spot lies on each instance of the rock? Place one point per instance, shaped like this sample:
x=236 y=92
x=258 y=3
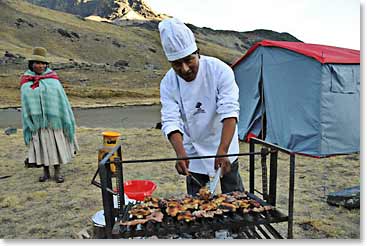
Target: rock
x=20 y=57
x=83 y=234
x=63 y=33
x=152 y=50
x=5 y=177
x=353 y=157
x=10 y=130
x=21 y=21
x=80 y=17
x=158 y=125
x=11 y=58
x=117 y=44
x=121 y=63
x=150 y=66
x=75 y=34
x=348 y=198
x=9 y=55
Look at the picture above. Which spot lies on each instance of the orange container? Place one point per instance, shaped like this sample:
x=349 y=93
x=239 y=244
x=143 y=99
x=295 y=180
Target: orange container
x=110 y=139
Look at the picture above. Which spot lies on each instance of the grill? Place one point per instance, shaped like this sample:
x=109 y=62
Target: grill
x=250 y=225
x=253 y=225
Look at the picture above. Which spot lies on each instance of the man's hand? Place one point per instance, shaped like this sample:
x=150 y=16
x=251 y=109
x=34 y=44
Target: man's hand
x=229 y=127
x=222 y=162
x=182 y=167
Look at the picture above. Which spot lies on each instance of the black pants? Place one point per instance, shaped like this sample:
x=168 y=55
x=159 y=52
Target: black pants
x=229 y=182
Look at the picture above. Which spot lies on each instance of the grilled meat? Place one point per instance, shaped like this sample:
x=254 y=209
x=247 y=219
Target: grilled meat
x=204 y=193
x=189 y=208
x=140 y=211
x=208 y=206
x=133 y=222
x=228 y=206
x=186 y=215
x=156 y=216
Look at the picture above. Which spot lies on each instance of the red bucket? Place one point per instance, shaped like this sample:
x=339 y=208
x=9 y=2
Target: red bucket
x=139 y=189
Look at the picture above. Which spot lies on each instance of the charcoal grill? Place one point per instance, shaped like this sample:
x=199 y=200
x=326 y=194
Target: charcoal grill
x=250 y=225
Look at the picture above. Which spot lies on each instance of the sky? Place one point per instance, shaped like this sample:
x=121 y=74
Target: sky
x=335 y=23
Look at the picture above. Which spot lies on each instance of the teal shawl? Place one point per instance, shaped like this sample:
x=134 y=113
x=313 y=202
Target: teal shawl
x=45 y=106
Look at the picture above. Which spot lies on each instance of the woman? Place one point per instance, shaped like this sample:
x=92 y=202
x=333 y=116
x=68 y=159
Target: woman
x=47 y=118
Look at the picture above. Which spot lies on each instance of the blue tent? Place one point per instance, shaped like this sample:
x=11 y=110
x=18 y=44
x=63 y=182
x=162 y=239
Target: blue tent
x=303 y=97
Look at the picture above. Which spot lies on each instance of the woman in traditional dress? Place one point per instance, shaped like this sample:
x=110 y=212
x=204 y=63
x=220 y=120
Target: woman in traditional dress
x=47 y=118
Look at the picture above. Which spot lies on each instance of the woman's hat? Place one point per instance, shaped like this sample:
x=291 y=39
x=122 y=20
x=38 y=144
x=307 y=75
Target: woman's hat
x=39 y=54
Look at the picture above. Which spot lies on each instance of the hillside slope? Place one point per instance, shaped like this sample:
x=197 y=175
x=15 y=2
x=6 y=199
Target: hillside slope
x=100 y=63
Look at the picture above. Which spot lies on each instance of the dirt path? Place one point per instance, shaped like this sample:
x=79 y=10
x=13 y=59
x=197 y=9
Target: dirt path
x=114 y=117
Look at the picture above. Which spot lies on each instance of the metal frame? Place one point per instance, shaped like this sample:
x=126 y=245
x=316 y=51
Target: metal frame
x=105 y=175
x=273 y=176
x=270 y=197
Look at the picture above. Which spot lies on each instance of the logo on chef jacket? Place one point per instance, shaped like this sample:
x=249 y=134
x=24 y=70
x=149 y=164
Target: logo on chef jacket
x=198 y=108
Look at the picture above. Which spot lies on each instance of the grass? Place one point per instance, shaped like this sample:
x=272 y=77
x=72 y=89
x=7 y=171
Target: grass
x=30 y=209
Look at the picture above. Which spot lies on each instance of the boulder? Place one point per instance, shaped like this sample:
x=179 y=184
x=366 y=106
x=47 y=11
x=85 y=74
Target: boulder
x=348 y=198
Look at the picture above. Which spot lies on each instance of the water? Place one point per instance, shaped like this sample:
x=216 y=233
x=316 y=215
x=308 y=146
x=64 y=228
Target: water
x=111 y=117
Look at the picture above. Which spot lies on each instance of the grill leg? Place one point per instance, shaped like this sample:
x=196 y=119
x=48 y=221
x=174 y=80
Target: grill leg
x=273 y=177
x=291 y=195
x=120 y=181
x=264 y=173
x=107 y=198
x=252 y=168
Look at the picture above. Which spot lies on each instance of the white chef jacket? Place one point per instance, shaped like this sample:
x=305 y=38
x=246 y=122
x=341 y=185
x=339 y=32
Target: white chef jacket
x=197 y=109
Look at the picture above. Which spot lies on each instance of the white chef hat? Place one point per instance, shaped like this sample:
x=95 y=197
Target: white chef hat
x=177 y=39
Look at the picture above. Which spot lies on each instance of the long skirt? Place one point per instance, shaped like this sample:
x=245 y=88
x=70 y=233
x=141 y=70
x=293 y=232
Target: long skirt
x=51 y=147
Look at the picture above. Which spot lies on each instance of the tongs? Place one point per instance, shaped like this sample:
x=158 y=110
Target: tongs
x=195 y=180
x=213 y=184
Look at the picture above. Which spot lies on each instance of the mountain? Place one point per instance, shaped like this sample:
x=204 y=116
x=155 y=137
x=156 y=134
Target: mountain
x=107 y=10
x=101 y=63
x=137 y=13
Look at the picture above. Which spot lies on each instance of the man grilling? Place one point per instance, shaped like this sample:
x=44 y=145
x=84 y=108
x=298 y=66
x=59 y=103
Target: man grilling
x=199 y=98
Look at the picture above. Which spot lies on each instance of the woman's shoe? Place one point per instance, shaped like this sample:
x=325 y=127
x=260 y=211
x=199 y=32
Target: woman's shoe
x=43 y=178
x=46 y=174
x=58 y=177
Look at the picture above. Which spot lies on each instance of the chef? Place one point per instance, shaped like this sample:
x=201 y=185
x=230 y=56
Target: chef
x=200 y=108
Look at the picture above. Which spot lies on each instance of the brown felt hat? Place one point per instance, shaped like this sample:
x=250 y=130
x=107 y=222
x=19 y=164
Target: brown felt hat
x=39 y=54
